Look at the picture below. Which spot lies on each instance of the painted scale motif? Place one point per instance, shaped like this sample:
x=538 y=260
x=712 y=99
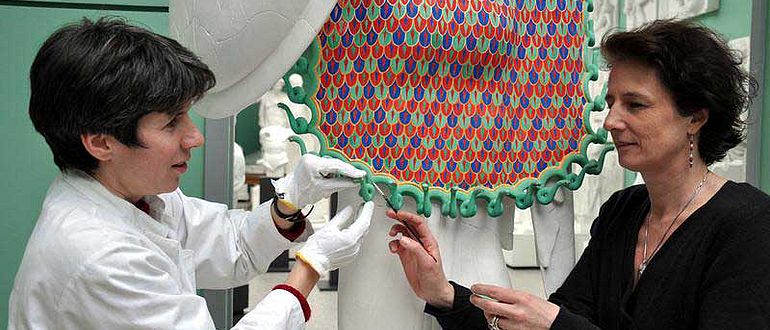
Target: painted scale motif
x=453 y=94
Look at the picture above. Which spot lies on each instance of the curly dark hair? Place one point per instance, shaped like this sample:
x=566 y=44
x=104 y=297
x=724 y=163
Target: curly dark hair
x=101 y=78
x=699 y=70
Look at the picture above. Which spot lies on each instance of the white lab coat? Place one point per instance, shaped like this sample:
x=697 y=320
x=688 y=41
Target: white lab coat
x=95 y=261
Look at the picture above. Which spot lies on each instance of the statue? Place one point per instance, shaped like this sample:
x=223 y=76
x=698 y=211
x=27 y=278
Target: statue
x=687 y=8
x=373 y=289
x=639 y=12
x=247 y=44
x=279 y=157
x=240 y=190
x=606 y=17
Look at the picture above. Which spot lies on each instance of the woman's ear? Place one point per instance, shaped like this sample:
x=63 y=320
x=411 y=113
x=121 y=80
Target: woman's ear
x=697 y=120
x=100 y=146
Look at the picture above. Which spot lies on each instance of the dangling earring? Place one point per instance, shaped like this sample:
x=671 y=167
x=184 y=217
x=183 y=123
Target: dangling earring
x=692 y=146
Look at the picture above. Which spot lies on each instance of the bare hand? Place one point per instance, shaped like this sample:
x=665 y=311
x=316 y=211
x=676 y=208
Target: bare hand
x=515 y=309
x=422 y=265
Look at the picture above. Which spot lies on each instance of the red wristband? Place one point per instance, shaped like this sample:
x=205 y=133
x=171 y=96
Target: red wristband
x=301 y=298
x=294 y=232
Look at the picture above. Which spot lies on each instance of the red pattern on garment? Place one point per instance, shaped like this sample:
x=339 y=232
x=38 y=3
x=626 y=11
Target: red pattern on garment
x=301 y=298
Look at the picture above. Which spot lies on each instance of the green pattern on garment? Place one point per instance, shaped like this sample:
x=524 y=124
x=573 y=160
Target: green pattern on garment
x=537 y=116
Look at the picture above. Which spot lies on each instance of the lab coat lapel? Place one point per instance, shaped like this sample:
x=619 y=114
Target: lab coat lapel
x=157 y=230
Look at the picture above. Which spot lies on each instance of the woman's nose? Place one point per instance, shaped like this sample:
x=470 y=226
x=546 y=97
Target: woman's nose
x=193 y=137
x=613 y=120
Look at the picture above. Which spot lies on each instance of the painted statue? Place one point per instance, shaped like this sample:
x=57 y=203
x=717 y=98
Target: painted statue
x=460 y=110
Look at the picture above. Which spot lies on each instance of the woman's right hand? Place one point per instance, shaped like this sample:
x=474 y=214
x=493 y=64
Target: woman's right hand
x=422 y=265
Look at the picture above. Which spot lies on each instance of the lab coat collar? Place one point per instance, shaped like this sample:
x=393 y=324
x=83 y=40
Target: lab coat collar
x=90 y=188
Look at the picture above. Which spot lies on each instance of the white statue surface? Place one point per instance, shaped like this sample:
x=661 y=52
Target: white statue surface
x=269 y=112
x=271 y=118
x=605 y=16
x=247 y=44
x=639 y=12
x=686 y=8
x=273 y=140
x=373 y=292
x=240 y=190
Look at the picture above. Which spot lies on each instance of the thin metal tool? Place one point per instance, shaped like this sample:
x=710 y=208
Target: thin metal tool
x=483 y=296
x=409 y=228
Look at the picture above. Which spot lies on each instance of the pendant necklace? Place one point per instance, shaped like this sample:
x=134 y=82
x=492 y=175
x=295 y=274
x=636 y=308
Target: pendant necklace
x=645 y=258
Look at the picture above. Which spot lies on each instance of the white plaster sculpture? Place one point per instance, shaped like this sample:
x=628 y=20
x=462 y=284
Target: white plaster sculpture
x=605 y=16
x=270 y=115
x=240 y=190
x=269 y=112
x=273 y=140
x=639 y=12
x=247 y=44
x=373 y=292
x=554 y=230
x=686 y=8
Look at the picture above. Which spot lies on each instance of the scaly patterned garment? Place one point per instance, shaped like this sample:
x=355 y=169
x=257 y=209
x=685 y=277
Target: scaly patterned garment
x=451 y=94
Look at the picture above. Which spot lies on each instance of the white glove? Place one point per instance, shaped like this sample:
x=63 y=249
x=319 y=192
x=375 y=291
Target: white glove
x=315 y=178
x=332 y=247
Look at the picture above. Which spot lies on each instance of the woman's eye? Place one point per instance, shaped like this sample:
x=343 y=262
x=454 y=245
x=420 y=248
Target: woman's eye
x=635 y=105
x=173 y=122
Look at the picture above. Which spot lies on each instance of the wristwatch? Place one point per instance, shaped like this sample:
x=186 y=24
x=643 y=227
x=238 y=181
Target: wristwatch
x=293 y=217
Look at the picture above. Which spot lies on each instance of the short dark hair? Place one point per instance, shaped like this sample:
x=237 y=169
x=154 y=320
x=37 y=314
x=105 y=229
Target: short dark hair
x=101 y=78
x=699 y=70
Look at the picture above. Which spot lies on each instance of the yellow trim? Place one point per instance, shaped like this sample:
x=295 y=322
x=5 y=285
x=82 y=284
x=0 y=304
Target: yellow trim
x=298 y=255
x=288 y=205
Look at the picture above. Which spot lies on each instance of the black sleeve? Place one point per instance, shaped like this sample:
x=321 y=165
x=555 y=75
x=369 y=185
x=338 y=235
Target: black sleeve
x=569 y=320
x=462 y=315
x=576 y=297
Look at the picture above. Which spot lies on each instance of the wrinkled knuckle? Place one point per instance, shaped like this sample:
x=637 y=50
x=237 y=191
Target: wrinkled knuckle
x=518 y=316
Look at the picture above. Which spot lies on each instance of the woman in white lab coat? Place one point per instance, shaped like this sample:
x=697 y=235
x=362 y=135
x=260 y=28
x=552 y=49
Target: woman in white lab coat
x=117 y=244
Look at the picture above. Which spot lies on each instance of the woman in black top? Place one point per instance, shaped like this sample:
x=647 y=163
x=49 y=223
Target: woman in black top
x=688 y=250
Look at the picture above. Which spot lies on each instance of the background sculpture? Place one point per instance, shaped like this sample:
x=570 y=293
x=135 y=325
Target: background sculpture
x=686 y=8
x=639 y=12
x=278 y=156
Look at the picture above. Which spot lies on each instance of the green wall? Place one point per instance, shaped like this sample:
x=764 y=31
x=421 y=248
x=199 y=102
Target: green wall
x=732 y=20
x=26 y=163
x=247 y=129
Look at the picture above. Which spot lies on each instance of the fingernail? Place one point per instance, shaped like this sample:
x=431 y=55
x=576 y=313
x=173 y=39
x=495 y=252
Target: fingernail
x=392 y=248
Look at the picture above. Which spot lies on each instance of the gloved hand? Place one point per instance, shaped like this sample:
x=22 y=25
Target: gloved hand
x=315 y=178
x=332 y=247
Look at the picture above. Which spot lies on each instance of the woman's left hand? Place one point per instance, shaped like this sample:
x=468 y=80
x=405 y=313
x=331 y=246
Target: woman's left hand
x=514 y=309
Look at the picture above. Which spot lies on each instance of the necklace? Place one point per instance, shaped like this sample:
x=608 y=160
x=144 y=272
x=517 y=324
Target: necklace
x=645 y=258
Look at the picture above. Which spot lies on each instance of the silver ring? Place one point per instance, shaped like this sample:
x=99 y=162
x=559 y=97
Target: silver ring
x=493 y=322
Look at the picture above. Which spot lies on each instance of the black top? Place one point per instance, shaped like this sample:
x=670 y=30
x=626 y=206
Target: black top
x=712 y=273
